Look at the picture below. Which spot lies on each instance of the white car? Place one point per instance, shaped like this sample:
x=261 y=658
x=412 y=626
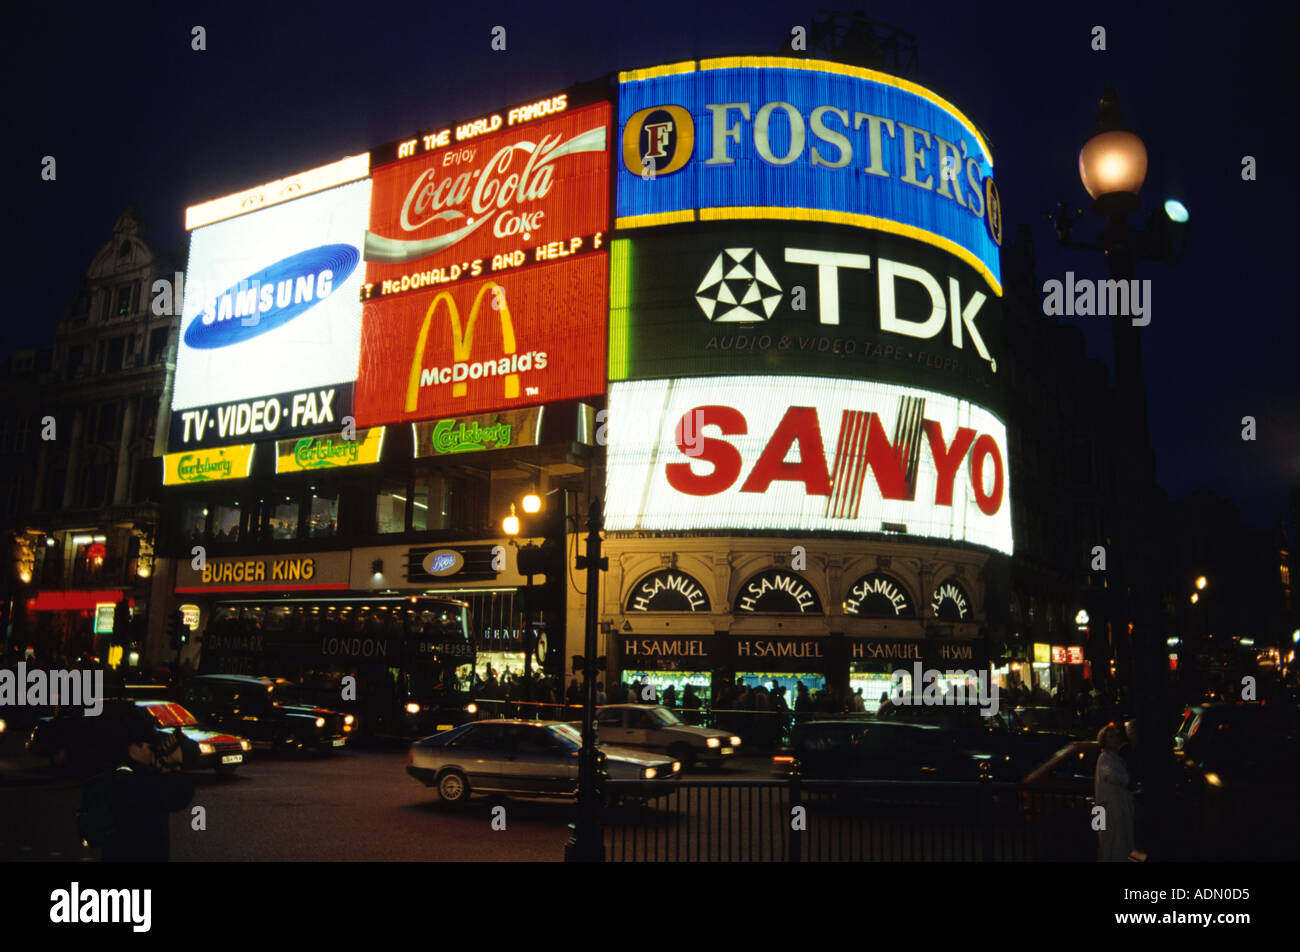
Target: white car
x=529 y=759
x=655 y=727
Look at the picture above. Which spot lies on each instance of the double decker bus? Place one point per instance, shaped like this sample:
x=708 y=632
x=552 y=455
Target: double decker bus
x=411 y=657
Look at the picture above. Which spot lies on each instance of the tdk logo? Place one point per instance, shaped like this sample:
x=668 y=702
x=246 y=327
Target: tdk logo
x=272 y=297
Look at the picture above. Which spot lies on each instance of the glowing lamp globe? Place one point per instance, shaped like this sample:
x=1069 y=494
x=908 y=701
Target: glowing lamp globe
x=1112 y=162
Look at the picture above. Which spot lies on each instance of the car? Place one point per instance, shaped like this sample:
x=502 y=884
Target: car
x=855 y=749
x=266 y=711
x=658 y=728
x=76 y=742
x=527 y=758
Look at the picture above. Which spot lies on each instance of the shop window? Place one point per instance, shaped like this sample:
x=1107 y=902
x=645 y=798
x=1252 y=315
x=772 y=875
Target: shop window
x=158 y=344
x=123 y=300
x=390 y=508
x=194 y=522
x=430 y=504
x=323 y=518
x=226 y=521
x=284 y=519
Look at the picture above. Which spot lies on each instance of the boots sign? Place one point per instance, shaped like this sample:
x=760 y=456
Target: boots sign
x=806 y=454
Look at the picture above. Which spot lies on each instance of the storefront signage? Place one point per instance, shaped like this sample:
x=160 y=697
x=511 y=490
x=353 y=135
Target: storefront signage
x=950 y=602
x=484 y=344
x=1042 y=653
x=773 y=137
x=495 y=431
x=779 y=649
x=466 y=563
x=668 y=591
x=777 y=298
x=776 y=591
x=1067 y=654
x=104 y=617
x=469 y=209
x=879 y=596
x=190 y=616
x=329 y=452
x=863 y=650
x=806 y=454
x=646 y=651
x=322 y=570
x=204 y=466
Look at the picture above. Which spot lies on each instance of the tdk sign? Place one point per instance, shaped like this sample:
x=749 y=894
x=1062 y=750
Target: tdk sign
x=272 y=297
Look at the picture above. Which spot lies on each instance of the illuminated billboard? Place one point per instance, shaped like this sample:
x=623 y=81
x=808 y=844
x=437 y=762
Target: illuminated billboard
x=774 y=137
x=805 y=454
x=818 y=300
x=488 y=203
x=270 y=328
x=486 y=344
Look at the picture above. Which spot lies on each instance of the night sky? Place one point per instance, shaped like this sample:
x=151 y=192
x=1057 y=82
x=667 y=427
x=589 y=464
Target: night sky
x=134 y=116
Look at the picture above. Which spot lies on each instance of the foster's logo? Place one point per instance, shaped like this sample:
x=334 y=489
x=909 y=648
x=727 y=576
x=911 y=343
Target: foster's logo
x=272 y=297
x=660 y=139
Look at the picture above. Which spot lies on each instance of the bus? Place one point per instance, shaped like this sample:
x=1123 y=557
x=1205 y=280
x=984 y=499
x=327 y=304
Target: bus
x=411 y=657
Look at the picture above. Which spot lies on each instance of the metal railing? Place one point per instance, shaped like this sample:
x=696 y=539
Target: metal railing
x=848 y=821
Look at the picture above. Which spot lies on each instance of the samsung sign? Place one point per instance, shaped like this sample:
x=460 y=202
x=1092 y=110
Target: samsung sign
x=773 y=137
x=806 y=454
x=271 y=323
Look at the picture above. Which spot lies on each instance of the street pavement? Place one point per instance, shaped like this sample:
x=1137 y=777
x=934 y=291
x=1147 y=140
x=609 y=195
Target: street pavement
x=355 y=805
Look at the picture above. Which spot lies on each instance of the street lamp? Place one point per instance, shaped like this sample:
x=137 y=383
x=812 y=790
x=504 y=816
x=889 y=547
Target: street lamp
x=1201 y=583
x=532 y=503
x=510 y=524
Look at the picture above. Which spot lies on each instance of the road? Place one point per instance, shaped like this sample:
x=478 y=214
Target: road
x=357 y=805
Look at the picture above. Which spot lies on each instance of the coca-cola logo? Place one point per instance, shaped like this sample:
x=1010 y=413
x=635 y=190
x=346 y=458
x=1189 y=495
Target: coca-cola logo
x=464 y=199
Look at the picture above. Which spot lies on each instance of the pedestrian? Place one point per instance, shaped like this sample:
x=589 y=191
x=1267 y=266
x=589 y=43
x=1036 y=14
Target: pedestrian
x=140 y=793
x=573 y=696
x=1111 y=793
x=691 y=704
x=600 y=692
x=670 y=696
x=859 y=703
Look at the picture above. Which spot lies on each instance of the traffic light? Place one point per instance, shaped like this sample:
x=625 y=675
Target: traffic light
x=121 y=622
x=177 y=631
x=545 y=554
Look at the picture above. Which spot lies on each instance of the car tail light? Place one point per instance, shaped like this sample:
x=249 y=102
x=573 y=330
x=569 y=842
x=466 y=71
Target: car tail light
x=1195 y=727
x=782 y=759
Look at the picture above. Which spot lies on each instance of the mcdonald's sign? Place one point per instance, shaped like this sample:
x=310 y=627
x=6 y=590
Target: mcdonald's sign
x=481 y=345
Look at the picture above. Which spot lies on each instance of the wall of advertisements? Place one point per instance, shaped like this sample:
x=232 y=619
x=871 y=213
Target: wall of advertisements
x=270 y=326
x=806 y=454
x=801 y=299
x=774 y=137
x=486 y=344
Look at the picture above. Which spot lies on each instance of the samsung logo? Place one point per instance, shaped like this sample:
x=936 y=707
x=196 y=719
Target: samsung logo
x=272 y=297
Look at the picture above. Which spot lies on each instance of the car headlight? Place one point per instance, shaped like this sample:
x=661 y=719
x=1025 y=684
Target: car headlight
x=206 y=748
x=412 y=708
x=245 y=745
x=320 y=722
x=714 y=742
x=649 y=773
x=2 y=726
x=677 y=766
x=471 y=708
x=348 y=719
x=735 y=742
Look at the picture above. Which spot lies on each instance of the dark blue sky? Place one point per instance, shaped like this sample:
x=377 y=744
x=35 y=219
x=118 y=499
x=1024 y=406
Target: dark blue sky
x=134 y=116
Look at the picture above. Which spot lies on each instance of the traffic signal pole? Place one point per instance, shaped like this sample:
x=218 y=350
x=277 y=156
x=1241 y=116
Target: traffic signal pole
x=588 y=842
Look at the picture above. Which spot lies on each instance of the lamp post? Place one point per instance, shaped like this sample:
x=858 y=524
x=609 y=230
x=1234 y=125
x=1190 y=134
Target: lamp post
x=1112 y=168
x=588 y=841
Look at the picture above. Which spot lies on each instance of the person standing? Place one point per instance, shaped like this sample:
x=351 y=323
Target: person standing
x=141 y=792
x=1111 y=793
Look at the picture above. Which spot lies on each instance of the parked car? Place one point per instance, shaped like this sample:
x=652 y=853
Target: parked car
x=266 y=711
x=658 y=728
x=526 y=758
x=81 y=744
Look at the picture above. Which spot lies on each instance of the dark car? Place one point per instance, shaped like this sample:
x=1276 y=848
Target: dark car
x=876 y=750
x=253 y=708
x=82 y=745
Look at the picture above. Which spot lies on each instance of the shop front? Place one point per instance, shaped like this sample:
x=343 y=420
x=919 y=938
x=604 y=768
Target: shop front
x=679 y=667
x=774 y=600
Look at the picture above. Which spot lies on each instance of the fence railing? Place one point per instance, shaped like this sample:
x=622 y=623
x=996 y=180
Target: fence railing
x=849 y=821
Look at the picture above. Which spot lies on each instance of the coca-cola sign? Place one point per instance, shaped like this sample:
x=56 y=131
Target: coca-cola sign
x=468 y=209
